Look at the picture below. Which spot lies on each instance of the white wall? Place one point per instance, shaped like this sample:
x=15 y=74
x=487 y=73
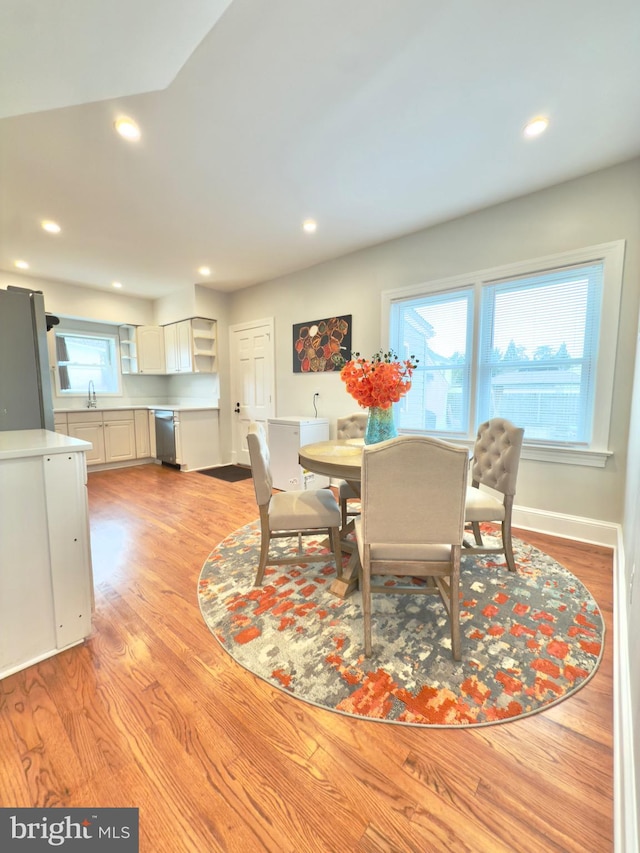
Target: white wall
x=598 y=208
x=71 y=300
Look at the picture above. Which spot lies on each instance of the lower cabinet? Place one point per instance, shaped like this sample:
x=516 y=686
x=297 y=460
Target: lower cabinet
x=116 y=436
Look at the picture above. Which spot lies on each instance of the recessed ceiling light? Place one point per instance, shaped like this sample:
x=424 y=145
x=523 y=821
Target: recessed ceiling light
x=116 y=284
x=22 y=265
x=127 y=128
x=51 y=227
x=536 y=126
x=309 y=225
x=204 y=270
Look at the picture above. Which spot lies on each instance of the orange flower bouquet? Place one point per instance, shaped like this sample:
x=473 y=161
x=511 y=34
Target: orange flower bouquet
x=379 y=381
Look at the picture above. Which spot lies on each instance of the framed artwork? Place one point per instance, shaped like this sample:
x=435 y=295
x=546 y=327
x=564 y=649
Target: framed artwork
x=321 y=345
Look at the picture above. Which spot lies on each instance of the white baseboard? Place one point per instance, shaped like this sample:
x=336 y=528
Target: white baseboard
x=625 y=812
x=568 y=526
x=625 y=809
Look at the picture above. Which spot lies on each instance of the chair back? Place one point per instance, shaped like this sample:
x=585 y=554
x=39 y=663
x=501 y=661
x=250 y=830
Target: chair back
x=352 y=426
x=259 y=457
x=413 y=491
x=496 y=455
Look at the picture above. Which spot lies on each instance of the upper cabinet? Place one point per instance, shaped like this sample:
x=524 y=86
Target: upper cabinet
x=185 y=347
x=128 y=349
x=177 y=347
x=150 y=340
x=190 y=346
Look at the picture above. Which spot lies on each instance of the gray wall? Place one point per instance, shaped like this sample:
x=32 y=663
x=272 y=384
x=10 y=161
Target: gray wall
x=598 y=208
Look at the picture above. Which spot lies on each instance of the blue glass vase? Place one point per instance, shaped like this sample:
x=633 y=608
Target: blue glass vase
x=380 y=425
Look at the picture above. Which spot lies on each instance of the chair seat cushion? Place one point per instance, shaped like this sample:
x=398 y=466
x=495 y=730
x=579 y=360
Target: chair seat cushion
x=345 y=492
x=404 y=551
x=300 y=510
x=482 y=506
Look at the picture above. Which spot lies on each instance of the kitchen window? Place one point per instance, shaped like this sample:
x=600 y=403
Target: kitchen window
x=531 y=342
x=84 y=357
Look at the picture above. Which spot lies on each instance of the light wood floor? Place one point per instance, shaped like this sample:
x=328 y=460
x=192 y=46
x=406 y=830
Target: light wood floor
x=152 y=713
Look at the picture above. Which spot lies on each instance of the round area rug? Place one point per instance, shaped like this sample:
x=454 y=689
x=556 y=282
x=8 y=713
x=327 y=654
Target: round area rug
x=529 y=639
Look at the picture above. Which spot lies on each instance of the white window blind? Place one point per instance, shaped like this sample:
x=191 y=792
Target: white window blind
x=538 y=350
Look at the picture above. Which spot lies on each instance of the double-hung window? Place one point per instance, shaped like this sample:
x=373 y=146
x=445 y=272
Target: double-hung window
x=84 y=357
x=532 y=342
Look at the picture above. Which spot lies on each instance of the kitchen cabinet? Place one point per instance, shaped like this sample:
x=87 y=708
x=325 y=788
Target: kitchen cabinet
x=190 y=346
x=150 y=349
x=177 y=347
x=88 y=426
x=143 y=438
x=60 y=423
x=119 y=436
x=112 y=434
x=197 y=438
x=128 y=349
x=45 y=555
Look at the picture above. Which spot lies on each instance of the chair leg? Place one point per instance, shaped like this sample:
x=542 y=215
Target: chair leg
x=454 y=604
x=366 y=605
x=334 y=536
x=508 y=545
x=343 y=510
x=264 y=553
x=475 y=526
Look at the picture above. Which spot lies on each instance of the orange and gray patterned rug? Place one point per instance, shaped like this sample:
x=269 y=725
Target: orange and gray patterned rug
x=529 y=639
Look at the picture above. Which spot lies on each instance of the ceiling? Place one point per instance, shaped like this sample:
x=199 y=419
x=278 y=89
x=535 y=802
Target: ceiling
x=374 y=118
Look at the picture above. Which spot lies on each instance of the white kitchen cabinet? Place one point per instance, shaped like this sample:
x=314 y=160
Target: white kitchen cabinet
x=177 y=347
x=88 y=426
x=60 y=423
x=197 y=438
x=119 y=436
x=141 y=426
x=190 y=346
x=152 y=433
x=46 y=584
x=128 y=349
x=150 y=345
x=204 y=345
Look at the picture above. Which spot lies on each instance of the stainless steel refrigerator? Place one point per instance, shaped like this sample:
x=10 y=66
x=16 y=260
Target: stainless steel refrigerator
x=25 y=377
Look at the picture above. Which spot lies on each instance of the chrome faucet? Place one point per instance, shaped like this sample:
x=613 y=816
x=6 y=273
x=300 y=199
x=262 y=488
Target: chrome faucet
x=91 y=396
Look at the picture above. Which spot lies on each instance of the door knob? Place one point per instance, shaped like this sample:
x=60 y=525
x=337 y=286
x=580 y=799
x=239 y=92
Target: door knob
x=237 y=409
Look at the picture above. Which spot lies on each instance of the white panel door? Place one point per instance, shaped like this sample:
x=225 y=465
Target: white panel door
x=252 y=381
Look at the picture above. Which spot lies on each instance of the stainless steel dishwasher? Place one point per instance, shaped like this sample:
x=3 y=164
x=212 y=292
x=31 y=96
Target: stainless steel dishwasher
x=165 y=436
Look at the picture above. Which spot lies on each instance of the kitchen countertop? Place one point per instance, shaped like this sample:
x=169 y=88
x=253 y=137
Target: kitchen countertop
x=171 y=407
x=19 y=443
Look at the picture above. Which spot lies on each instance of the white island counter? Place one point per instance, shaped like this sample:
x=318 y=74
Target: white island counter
x=46 y=583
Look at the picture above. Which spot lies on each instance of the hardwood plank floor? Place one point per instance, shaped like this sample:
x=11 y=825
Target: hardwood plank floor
x=151 y=712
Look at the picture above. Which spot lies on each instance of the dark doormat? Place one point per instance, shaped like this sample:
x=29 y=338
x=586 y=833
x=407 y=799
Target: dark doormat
x=229 y=473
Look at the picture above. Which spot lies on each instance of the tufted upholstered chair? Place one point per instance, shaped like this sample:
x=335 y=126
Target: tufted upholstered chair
x=496 y=456
x=291 y=514
x=350 y=426
x=412 y=522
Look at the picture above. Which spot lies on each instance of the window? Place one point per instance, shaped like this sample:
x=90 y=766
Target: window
x=84 y=357
x=523 y=342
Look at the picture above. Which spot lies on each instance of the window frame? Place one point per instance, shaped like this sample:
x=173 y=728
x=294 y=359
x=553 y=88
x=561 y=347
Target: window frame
x=114 y=340
x=611 y=255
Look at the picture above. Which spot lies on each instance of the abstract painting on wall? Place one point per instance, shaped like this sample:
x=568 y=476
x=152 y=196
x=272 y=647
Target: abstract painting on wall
x=321 y=345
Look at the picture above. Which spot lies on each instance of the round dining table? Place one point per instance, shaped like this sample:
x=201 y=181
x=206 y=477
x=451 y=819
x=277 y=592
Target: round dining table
x=340 y=459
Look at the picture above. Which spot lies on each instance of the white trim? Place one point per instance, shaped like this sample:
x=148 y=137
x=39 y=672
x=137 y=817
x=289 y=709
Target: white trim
x=625 y=815
x=566 y=455
x=567 y=526
x=613 y=256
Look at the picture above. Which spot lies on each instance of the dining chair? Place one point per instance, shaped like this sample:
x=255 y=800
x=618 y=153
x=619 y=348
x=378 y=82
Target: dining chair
x=290 y=514
x=412 y=522
x=494 y=466
x=350 y=426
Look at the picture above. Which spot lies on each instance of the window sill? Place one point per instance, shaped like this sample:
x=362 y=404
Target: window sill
x=567 y=455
